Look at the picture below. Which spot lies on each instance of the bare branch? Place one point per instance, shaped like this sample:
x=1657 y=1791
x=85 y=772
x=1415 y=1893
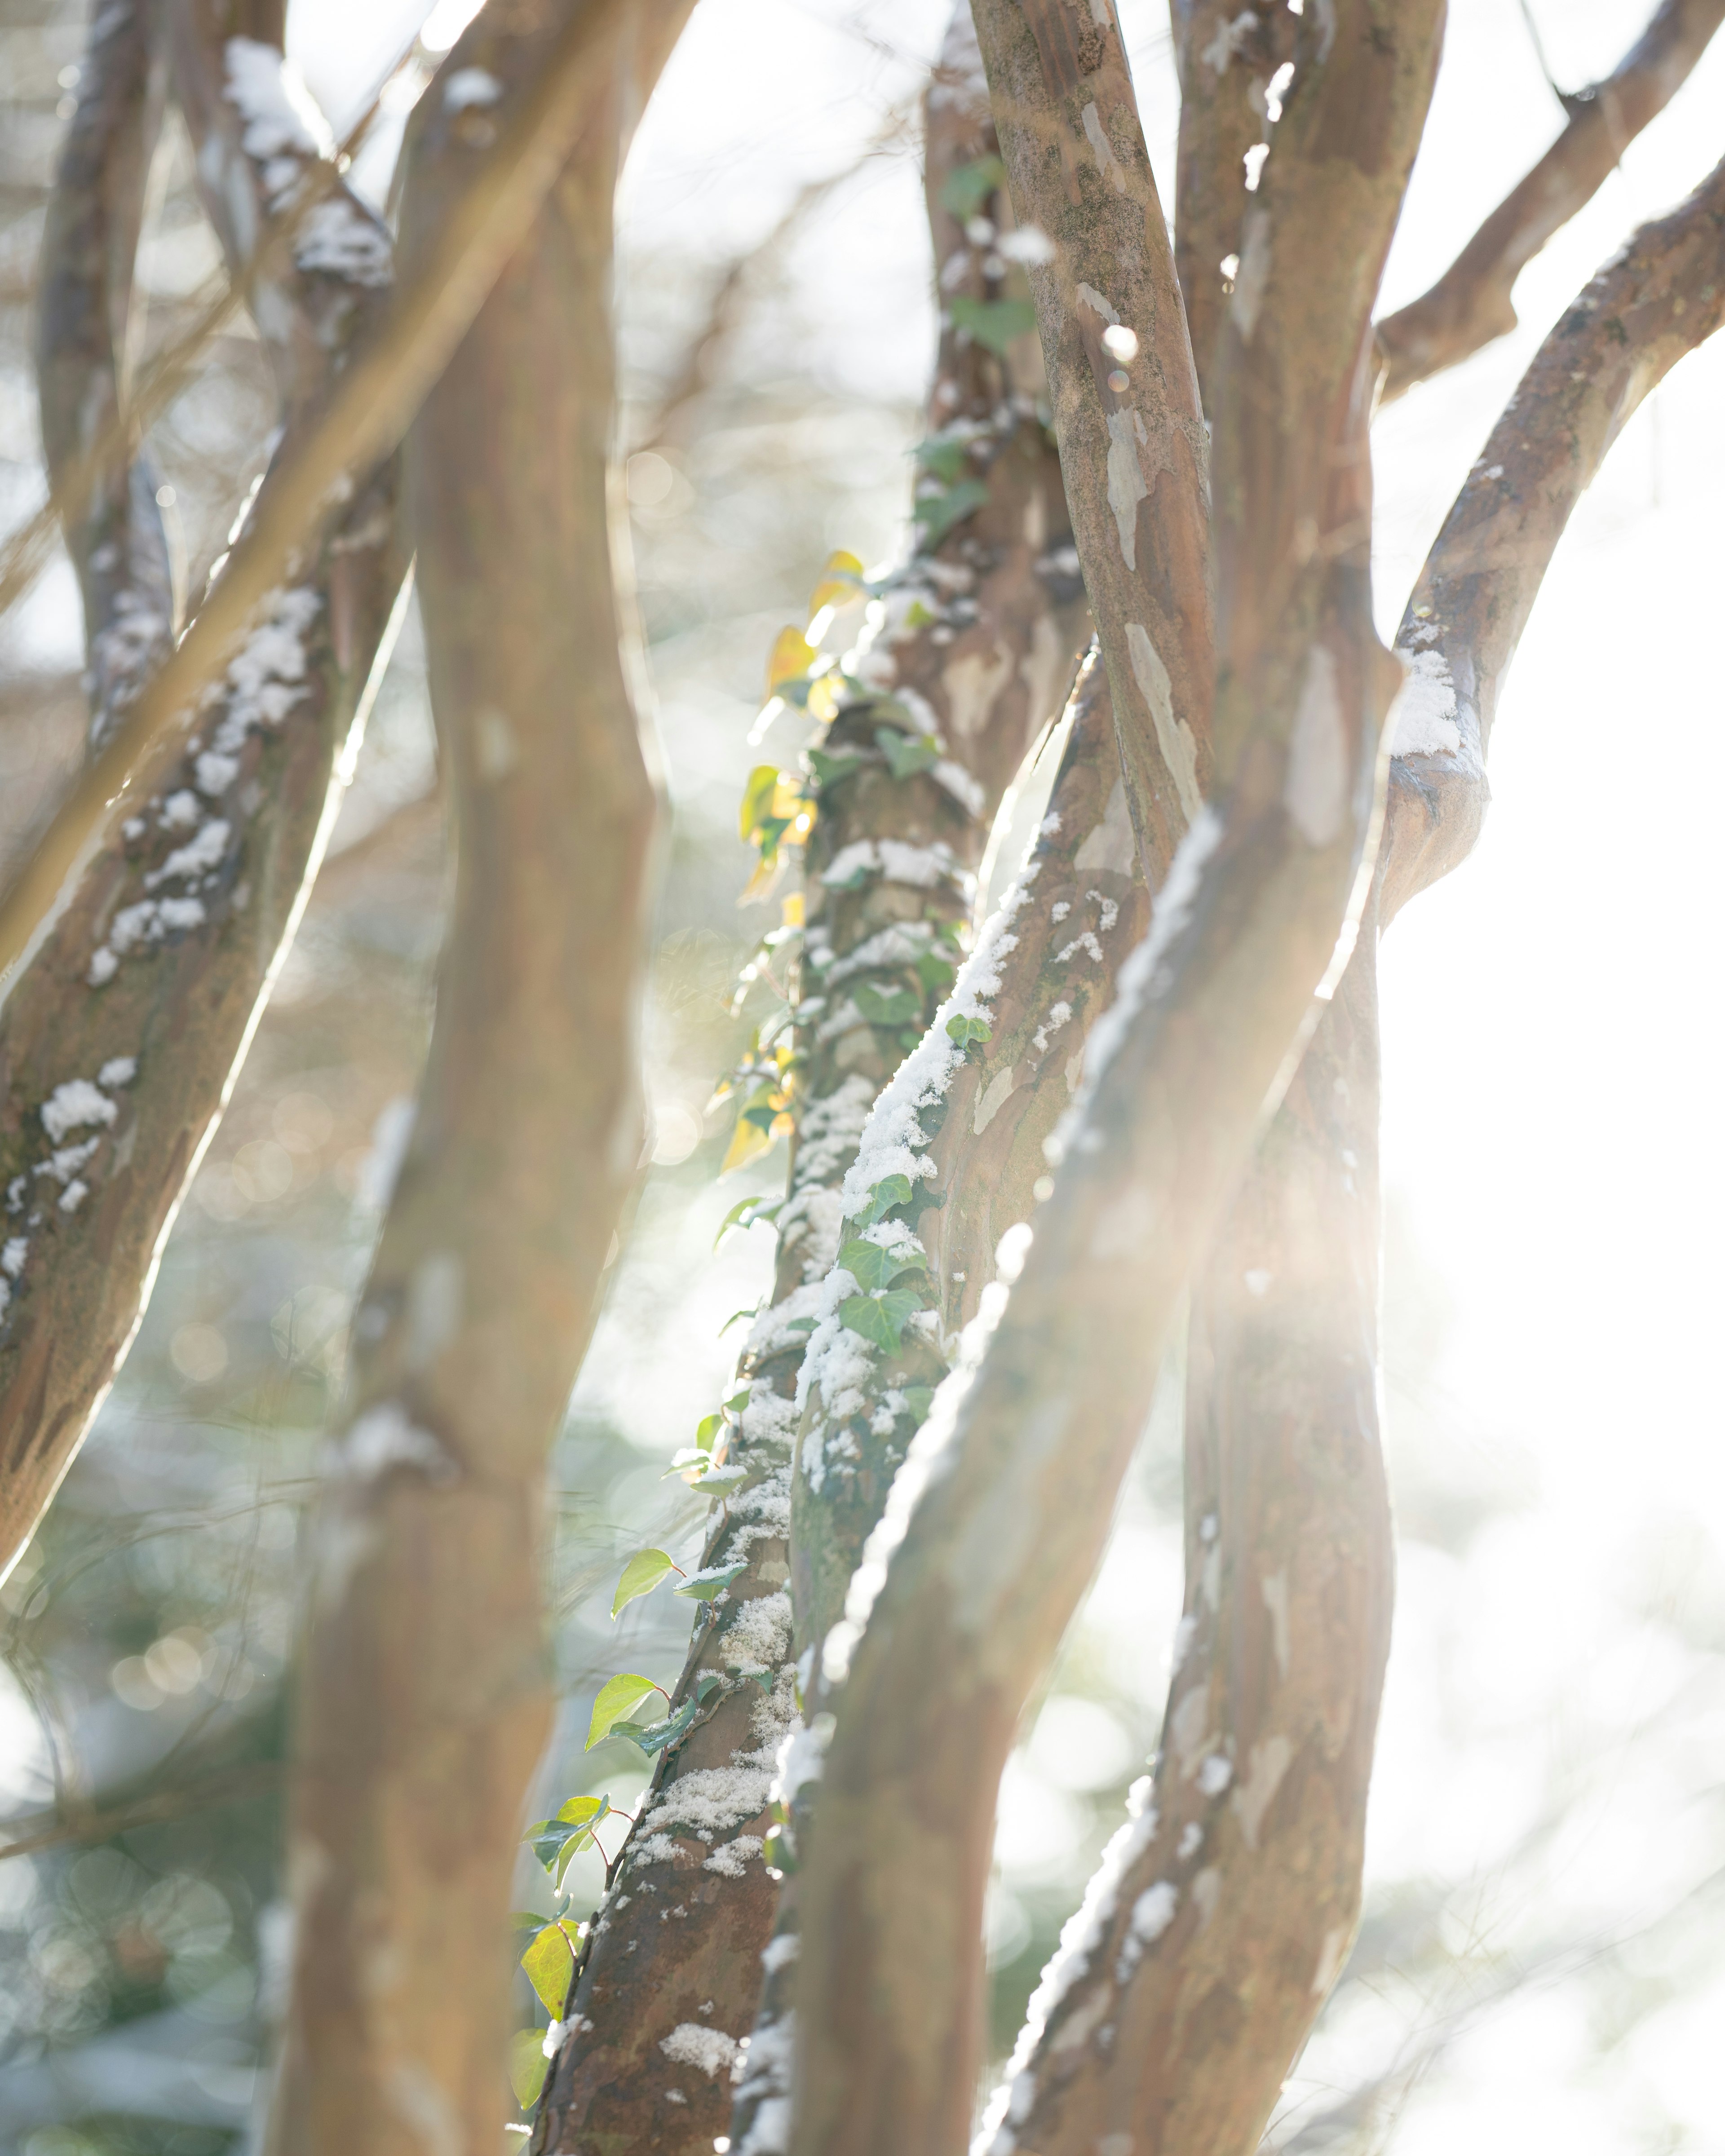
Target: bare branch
x=424 y=1700
x=1227 y=56
x=1658 y=298
x=367 y=408
x=1471 y=303
x=114 y=533
x=1122 y=386
x=119 y=1042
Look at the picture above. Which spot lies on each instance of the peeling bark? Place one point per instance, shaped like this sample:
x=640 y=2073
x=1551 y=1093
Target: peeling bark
x=120 y=1042
x=999 y=1518
x=1122 y=383
x=1471 y=303
x=1224 y=1914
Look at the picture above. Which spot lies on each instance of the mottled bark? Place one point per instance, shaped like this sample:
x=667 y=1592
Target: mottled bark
x=996 y=1525
x=1472 y=302
x=367 y=403
x=120 y=1041
x=1224 y=1912
x=113 y=528
x=969 y=650
x=1225 y=1907
x=1658 y=298
x=423 y=1699
x=1229 y=56
x=1122 y=384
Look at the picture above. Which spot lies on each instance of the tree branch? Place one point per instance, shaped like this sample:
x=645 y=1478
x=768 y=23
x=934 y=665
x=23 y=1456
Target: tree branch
x=119 y=1044
x=1225 y=1907
x=1662 y=295
x=1122 y=386
x=113 y=528
x=368 y=404
x=997 y=1520
x=423 y=1699
x=968 y=654
x=1471 y=303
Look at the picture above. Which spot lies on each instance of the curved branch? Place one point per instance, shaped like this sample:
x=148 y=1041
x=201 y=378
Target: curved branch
x=1471 y=303
x=1659 y=297
x=119 y=1044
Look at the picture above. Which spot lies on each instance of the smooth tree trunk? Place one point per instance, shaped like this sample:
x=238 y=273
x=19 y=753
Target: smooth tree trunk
x=422 y=1694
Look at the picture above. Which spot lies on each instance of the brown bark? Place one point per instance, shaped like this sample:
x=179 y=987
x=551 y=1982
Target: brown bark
x=369 y=400
x=1662 y=295
x=1210 y=1938
x=1126 y=413
x=1471 y=303
x=423 y=1699
x=963 y=1596
x=1227 y=57
x=1224 y=1908
x=979 y=632
x=113 y=528
x=119 y=1042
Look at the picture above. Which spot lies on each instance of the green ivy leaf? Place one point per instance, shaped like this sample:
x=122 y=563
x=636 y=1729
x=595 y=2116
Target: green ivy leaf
x=936 y=975
x=947 y=456
x=640 y=1576
x=528 y=2066
x=829 y=770
x=937 y=513
x=891 y=1190
x=707 y=1428
x=968 y=187
x=549 y=1963
x=880 y=1319
x=993 y=323
x=964 y=1031
x=616 y=1698
x=733 y=1218
x=871 y=1267
x=907 y=754
x=718 y=1481
x=703 y=1586
x=737 y=1402
x=887 y=1006
x=919 y=1399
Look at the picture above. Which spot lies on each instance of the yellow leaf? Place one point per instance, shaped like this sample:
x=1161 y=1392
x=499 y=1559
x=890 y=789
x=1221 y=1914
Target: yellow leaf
x=823 y=699
x=792 y=656
x=748 y=1142
x=763 y=783
x=787 y=796
x=783 y=1127
x=791 y=909
x=548 y=1964
x=527 y=2065
x=837 y=582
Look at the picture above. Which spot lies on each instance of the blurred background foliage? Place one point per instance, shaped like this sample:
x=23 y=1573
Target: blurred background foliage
x=1540 y=1962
